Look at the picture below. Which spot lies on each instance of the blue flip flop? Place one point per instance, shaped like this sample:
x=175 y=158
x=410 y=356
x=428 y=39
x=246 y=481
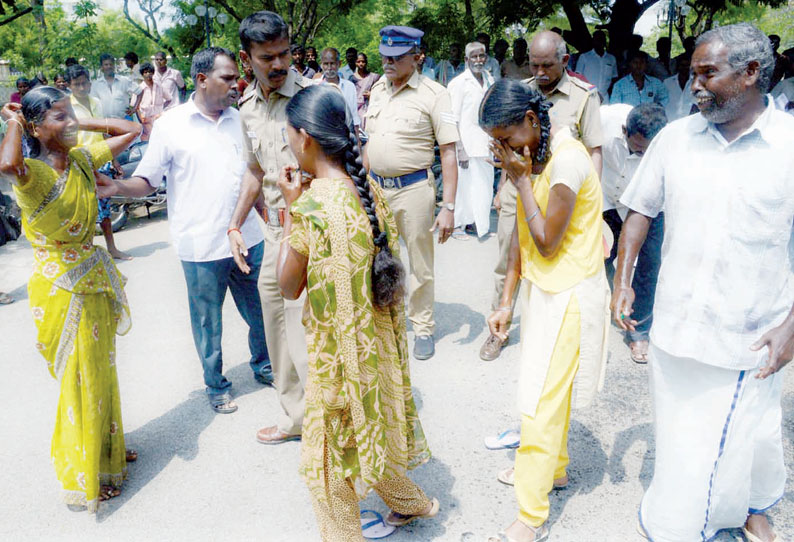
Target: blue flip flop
x=374 y=527
x=509 y=439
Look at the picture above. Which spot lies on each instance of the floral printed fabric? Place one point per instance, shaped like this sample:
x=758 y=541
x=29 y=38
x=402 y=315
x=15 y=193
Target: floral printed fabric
x=359 y=402
x=78 y=305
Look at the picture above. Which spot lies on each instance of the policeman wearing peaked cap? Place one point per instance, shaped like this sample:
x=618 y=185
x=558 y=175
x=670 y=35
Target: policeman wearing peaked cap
x=407 y=114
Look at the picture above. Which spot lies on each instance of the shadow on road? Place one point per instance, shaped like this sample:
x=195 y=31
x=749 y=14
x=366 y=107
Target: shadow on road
x=586 y=470
x=174 y=434
x=451 y=317
x=146 y=250
x=623 y=441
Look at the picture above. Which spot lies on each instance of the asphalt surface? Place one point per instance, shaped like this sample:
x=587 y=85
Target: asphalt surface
x=202 y=476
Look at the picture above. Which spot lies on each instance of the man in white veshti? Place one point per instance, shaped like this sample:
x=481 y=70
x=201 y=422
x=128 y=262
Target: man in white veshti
x=723 y=318
x=475 y=174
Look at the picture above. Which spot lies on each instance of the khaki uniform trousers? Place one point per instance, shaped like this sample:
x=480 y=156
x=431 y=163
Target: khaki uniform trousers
x=504 y=233
x=414 y=211
x=285 y=336
x=338 y=515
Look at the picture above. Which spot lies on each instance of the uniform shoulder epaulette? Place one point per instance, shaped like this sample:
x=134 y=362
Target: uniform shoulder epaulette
x=589 y=87
x=249 y=93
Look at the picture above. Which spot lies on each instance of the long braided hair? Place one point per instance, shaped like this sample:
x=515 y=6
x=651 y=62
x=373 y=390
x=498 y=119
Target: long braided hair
x=320 y=110
x=506 y=104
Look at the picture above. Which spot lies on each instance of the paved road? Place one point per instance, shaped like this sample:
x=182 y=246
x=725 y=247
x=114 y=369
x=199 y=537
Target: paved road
x=202 y=476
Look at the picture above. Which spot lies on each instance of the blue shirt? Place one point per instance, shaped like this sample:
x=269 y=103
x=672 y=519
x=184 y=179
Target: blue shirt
x=625 y=91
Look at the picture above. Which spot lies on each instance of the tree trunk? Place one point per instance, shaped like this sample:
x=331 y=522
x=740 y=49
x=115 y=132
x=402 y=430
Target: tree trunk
x=579 y=35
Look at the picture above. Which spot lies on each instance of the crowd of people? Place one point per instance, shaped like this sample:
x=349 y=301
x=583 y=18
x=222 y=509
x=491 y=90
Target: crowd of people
x=622 y=187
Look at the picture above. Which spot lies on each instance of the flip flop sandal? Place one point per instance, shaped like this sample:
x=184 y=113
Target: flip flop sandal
x=398 y=520
x=637 y=357
x=752 y=538
x=223 y=404
x=374 y=527
x=6 y=299
x=508 y=439
x=132 y=456
x=541 y=534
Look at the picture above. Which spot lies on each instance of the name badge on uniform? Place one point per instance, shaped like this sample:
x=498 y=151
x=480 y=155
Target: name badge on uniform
x=252 y=136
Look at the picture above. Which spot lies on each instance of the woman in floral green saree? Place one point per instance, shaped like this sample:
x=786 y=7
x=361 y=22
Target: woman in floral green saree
x=361 y=430
x=76 y=292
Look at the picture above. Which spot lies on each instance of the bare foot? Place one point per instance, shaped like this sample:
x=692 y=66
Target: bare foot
x=119 y=255
x=108 y=492
x=758 y=525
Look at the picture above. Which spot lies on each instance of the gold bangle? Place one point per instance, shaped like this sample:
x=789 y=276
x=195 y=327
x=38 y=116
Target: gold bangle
x=17 y=121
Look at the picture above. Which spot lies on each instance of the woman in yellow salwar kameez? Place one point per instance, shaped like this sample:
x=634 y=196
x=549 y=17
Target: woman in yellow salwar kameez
x=361 y=430
x=558 y=254
x=76 y=292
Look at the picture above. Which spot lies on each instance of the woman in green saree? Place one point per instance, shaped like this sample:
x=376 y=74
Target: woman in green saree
x=361 y=430
x=76 y=292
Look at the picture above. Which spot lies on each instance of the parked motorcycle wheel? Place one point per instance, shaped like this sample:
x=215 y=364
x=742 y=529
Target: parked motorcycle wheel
x=118 y=216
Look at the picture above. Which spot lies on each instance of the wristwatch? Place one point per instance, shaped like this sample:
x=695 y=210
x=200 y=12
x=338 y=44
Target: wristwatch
x=449 y=206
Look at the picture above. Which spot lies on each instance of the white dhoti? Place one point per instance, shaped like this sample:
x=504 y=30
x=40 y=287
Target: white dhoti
x=719 y=448
x=474 y=195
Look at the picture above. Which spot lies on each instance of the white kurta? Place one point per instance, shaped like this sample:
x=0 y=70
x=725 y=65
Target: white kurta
x=475 y=183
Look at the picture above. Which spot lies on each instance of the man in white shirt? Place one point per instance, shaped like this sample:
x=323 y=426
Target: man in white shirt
x=329 y=62
x=784 y=94
x=679 y=91
x=492 y=66
x=131 y=61
x=723 y=318
x=198 y=146
x=598 y=66
x=475 y=174
x=112 y=90
x=169 y=78
x=627 y=133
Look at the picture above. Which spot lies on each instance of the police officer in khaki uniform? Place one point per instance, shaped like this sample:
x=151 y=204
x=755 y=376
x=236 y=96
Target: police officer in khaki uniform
x=407 y=113
x=575 y=105
x=266 y=49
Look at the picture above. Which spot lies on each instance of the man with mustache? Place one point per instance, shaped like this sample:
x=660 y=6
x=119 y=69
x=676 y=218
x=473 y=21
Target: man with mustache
x=475 y=174
x=198 y=146
x=407 y=114
x=331 y=76
x=575 y=106
x=723 y=320
x=263 y=109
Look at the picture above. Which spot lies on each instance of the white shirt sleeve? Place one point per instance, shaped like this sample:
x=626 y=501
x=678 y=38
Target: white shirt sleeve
x=645 y=193
x=156 y=161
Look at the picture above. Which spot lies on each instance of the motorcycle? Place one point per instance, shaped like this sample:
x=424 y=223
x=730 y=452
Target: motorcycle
x=122 y=206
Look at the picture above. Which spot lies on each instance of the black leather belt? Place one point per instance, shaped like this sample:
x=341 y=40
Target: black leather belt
x=402 y=181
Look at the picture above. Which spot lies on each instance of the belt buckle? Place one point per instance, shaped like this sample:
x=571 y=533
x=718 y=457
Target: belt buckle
x=388 y=182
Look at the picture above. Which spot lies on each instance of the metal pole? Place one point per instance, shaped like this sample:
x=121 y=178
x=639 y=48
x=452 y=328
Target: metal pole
x=670 y=16
x=207 y=21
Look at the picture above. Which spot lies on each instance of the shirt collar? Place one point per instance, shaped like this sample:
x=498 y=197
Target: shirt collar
x=288 y=89
x=563 y=85
x=194 y=110
x=413 y=82
x=761 y=124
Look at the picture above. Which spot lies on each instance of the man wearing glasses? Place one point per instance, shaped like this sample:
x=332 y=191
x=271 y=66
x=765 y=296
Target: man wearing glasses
x=407 y=114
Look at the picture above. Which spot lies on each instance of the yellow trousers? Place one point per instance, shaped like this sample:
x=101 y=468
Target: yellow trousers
x=542 y=455
x=338 y=515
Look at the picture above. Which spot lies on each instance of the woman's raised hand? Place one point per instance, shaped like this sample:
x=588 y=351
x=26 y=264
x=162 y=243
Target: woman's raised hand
x=515 y=167
x=290 y=182
x=12 y=110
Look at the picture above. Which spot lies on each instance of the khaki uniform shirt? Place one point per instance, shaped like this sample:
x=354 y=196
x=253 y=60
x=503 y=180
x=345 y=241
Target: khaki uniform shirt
x=265 y=132
x=575 y=104
x=403 y=126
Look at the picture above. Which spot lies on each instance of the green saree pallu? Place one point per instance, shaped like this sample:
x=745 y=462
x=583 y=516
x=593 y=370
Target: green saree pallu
x=78 y=304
